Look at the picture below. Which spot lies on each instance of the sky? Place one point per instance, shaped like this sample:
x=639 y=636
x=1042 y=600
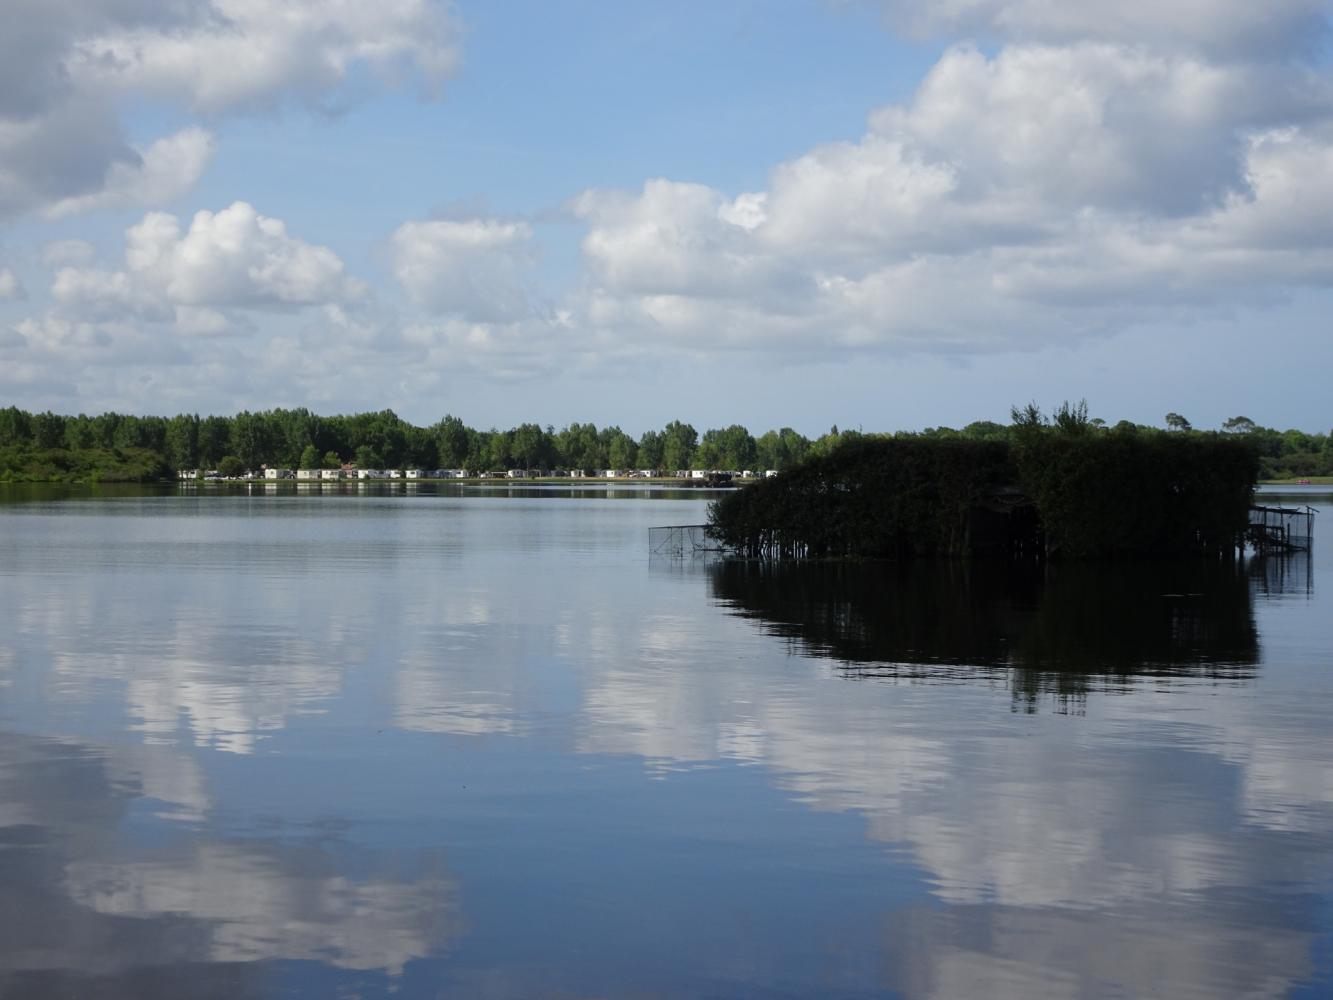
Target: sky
x=884 y=214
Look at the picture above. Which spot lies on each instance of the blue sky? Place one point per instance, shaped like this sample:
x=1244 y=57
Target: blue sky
x=879 y=214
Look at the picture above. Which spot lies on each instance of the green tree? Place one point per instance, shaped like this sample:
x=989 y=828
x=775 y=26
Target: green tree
x=309 y=458
x=1239 y=425
x=986 y=430
x=79 y=432
x=249 y=438
x=1175 y=422
x=738 y=449
x=48 y=430
x=650 y=450
x=331 y=460
x=780 y=449
x=15 y=427
x=230 y=465
x=368 y=458
x=214 y=436
x=532 y=447
x=619 y=448
x=1072 y=418
x=499 y=453
x=579 y=446
x=183 y=442
x=679 y=442
x=452 y=442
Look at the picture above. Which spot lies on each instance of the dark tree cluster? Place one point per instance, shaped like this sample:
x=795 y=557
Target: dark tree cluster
x=871 y=498
x=1061 y=486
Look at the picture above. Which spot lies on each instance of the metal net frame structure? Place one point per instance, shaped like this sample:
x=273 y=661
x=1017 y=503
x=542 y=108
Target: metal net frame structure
x=1281 y=528
x=681 y=540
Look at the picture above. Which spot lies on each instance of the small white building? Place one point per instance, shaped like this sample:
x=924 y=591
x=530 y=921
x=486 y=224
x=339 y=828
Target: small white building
x=770 y=473
x=415 y=474
x=611 y=474
x=517 y=474
x=333 y=474
x=271 y=473
x=393 y=473
x=307 y=474
x=698 y=473
x=577 y=474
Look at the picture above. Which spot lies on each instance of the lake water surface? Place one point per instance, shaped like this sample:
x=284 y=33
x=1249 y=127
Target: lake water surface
x=478 y=743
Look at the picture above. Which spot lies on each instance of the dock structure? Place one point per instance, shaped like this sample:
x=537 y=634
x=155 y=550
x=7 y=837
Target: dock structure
x=1280 y=529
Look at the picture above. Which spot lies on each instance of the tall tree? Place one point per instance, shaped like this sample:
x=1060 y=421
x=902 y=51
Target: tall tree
x=15 y=426
x=679 y=442
x=451 y=441
x=183 y=441
x=650 y=450
x=214 y=438
x=48 y=430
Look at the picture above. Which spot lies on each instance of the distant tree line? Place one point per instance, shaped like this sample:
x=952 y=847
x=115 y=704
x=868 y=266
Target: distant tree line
x=124 y=446
x=51 y=446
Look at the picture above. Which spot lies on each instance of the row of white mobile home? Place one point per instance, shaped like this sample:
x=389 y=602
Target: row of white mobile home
x=351 y=472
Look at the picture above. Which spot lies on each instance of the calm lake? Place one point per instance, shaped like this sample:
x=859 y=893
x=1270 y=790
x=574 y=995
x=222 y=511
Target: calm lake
x=479 y=743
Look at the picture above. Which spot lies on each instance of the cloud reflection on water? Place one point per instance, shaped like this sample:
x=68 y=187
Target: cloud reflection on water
x=85 y=904
x=1096 y=785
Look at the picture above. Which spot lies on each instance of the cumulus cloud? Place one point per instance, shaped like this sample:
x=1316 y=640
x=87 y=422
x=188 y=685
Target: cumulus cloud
x=166 y=169
x=473 y=268
x=1069 y=183
x=65 y=66
x=237 y=53
x=235 y=258
x=673 y=238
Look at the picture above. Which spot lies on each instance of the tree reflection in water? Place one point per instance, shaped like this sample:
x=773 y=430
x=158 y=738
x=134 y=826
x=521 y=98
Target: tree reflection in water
x=1058 y=630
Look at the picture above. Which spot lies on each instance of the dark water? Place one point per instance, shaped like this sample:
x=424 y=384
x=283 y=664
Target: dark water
x=480 y=745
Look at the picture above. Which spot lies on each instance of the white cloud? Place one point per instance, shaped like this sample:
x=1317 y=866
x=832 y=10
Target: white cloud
x=1046 y=191
x=472 y=268
x=165 y=170
x=1081 y=168
x=232 y=259
x=239 y=53
x=66 y=66
x=673 y=238
x=10 y=285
